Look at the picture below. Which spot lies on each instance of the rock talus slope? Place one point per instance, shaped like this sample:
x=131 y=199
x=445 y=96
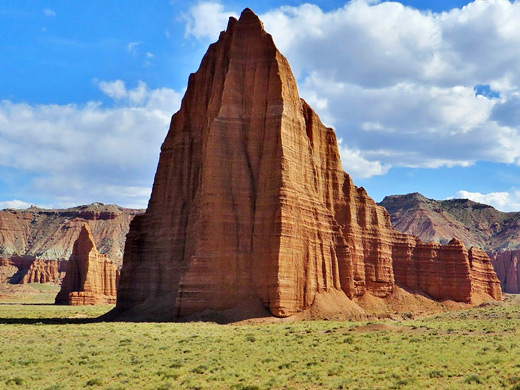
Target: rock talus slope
x=250 y=202
x=91 y=278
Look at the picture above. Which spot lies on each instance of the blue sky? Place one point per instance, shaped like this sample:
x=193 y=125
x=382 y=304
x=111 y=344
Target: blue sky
x=424 y=95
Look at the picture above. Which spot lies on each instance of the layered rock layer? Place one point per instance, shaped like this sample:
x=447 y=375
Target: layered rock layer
x=91 y=277
x=250 y=201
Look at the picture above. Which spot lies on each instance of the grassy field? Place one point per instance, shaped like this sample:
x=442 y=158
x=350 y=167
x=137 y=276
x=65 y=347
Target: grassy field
x=55 y=347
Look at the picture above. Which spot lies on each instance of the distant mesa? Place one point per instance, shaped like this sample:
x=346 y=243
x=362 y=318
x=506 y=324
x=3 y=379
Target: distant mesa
x=251 y=208
x=49 y=234
x=91 y=278
x=475 y=224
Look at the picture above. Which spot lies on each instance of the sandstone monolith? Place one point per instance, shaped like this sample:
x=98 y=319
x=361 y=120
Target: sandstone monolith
x=91 y=277
x=250 y=203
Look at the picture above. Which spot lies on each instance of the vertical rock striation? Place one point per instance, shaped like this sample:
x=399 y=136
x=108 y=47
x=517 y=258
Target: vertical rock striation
x=250 y=201
x=91 y=277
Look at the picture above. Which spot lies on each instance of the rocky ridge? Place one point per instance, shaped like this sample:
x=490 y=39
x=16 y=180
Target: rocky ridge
x=250 y=205
x=476 y=224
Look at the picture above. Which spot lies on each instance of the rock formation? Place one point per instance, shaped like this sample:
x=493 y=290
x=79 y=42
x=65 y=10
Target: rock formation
x=13 y=268
x=250 y=202
x=496 y=232
x=45 y=271
x=91 y=277
x=27 y=269
x=49 y=234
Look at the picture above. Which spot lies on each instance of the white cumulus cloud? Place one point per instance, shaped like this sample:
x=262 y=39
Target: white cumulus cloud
x=14 y=204
x=503 y=201
x=357 y=165
x=206 y=20
x=115 y=89
x=399 y=83
x=49 y=12
x=81 y=153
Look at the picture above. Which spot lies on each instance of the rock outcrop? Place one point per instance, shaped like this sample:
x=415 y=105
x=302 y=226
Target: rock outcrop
x=50 y=234
x=476 y=224
x=91 y=277
x=250 y=202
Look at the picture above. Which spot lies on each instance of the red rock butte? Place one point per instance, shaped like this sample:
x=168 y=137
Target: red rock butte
x=250 y=204
x=91 y=278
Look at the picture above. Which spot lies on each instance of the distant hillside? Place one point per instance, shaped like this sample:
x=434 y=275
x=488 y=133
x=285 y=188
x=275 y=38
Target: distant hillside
x=476 y=224
x=49 y=234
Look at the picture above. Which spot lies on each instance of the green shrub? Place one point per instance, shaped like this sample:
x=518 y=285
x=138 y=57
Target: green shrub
x=200 y=369
x=436 y=374
x=15 y=381
x=473 y=378
x=94 y=382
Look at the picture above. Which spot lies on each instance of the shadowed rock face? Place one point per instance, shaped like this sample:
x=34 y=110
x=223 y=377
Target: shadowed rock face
x=250 y=201
x=91 y=278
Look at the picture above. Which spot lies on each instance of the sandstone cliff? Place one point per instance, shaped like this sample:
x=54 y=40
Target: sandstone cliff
x=250 y=202
x=496 y=232
x=91 y=277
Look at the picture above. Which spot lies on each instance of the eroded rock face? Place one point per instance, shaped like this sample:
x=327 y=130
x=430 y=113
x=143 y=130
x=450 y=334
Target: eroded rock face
x=250 y=201
x=26 y=269
x=508 y=271
x=91 y=277
x=45 y=271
